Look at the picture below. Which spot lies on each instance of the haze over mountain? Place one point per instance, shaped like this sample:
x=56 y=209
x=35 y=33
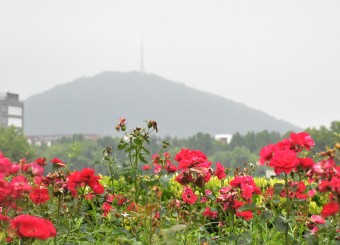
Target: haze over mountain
x=95 y=104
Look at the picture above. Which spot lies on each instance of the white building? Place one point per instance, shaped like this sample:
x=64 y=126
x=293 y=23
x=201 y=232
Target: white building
x=11 y=111
x=224 y=138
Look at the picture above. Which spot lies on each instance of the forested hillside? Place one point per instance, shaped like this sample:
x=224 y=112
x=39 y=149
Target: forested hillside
x=92 y=105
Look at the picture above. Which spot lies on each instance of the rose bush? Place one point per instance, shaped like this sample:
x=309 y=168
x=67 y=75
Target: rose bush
x=173 y=200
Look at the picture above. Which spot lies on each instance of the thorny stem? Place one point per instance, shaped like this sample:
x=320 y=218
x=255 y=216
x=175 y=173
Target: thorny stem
x=58 y=217
x=287 y=207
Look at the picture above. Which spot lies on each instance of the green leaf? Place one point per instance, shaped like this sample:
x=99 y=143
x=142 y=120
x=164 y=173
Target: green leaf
x=142 y=158
x=266 y=215
x=249 y=207
x=280 y=224
x=122 y=146
x=137 y=243
x=138 y=141
x=244 y=239
x=278 y=187
x=311 y=239
x=119 y=231
x=151 y=182
x=173 y=229
x=146 y=150
x=164 y=180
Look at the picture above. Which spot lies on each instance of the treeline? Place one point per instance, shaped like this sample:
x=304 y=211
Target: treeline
x=80 y=153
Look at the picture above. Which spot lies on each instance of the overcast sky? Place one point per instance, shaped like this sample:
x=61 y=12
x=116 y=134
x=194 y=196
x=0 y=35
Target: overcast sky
x=281 y=57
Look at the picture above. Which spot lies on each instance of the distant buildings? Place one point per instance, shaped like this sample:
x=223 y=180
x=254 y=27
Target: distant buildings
x=12 y=111
x=224 y=138
x=49 y=140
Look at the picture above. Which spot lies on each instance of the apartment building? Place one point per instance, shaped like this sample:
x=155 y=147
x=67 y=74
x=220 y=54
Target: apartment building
x=11 y=111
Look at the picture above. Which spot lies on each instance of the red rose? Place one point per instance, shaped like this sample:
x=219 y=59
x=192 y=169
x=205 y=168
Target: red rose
x=146 y=167
x=247 y=215
x=302 y=140
x=189 y=158
x=266 y=153
x=330 y=209
x=87 y=177
x=39 y=195
x=5 y=165
x=41 y=161
x=33 y=227
x=189 y=196
x=306 y=163
x=157 y=168
x=106 y=207
x=220 y=172
x=58 y=163
x=284 y=161
x=170 y=168
x=209 y=213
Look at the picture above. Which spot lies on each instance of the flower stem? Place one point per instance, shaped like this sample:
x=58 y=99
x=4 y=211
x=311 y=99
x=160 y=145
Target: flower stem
x=287 y=208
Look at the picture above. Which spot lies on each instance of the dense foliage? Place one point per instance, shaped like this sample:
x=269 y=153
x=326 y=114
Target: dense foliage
x=243 y=148
x=185 y=199
x=13 y=143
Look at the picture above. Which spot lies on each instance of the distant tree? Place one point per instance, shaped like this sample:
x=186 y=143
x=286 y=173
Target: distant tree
x=324 y=137
x=13 y=144
x=201 y=141
x=335 y=126
x=236 y=141
x=254 y=141
x=235 y=158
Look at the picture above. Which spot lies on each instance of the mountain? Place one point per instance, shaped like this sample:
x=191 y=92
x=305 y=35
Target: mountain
x=93 y=105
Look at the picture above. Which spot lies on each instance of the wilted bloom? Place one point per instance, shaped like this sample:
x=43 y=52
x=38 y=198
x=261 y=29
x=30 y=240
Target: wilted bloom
x=19 y=183
x=57 y=162
x=189 y=196
x=153 y=124
x=41 y=161
x=89 y=196
x=121 y=125
x=311 y=193
x=170 y=168
x=132 y=207
x=156 y=158
x=317 y=219
x=34 y=169
x=109 y=198
x=122 y=121
x=157 y=168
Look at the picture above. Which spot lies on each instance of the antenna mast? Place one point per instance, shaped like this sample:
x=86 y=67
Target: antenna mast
x=142 y=56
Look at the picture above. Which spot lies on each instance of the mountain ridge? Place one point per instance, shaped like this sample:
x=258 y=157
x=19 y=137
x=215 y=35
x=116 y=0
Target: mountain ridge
x=95 y=104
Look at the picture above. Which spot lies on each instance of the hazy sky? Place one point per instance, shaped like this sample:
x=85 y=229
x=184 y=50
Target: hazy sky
x=282 y=57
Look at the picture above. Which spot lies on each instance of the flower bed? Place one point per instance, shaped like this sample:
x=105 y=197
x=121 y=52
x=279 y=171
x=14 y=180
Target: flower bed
x=182 y=200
